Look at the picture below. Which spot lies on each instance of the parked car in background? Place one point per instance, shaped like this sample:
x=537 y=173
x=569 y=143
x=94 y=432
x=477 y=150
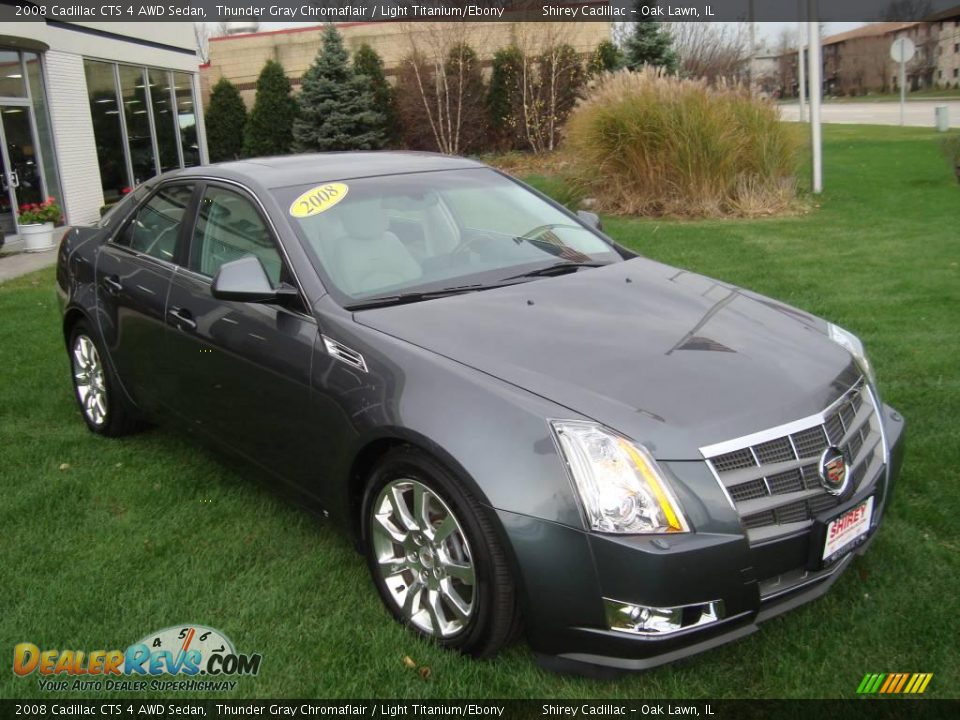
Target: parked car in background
x=522 y=424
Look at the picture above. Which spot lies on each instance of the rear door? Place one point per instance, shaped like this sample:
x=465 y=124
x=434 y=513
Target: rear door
x=133 y=274
x=240 y=372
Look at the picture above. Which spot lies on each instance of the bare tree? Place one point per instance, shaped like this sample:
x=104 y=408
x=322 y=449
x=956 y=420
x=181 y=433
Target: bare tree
x=202 y=32
x=907 y=10
x=713 y=51
x=444 y=76
x=201 y=36
x=787 y=49
x=548 y=83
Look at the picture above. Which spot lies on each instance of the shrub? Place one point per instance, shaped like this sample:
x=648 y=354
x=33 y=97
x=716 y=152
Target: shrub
x=607 y=57
x=649 y=144
x=269 y=128
x=504 y=80
x=225 y=118
x=367 y=62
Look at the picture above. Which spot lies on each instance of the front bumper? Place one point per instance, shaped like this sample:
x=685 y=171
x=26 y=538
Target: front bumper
x=567 y=572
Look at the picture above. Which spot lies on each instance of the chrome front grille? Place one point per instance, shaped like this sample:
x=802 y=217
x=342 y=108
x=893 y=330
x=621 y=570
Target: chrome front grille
x=772 y=477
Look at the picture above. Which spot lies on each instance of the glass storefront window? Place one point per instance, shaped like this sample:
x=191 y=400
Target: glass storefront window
x=164 y=119
x=42 y=119
x=135 y=109
x=107 y=130
x=11 y=75
x=186 y=118
x=158 y=117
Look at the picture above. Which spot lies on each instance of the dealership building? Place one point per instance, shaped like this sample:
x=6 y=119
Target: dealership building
x=90 y=110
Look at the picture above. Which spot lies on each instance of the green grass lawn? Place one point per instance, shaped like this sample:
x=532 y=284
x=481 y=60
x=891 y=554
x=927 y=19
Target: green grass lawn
x=104 y=541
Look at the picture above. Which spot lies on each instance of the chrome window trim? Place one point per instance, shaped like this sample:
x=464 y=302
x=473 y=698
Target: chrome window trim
x=774 y=433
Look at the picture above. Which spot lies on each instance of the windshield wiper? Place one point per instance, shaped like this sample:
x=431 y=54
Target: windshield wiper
x=412 y=297
x=560 y=268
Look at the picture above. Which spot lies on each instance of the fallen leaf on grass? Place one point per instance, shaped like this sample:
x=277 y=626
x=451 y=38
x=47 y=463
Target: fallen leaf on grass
x=64 y=466
x=425 y=672
x=408 y=661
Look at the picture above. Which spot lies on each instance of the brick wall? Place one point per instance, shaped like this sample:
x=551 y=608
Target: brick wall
x=241 y=57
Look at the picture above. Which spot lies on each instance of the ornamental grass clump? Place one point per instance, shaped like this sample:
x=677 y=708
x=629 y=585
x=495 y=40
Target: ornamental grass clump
x=643 y=143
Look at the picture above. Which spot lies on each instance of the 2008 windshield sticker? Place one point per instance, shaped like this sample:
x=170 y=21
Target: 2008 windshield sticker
x=318 y=199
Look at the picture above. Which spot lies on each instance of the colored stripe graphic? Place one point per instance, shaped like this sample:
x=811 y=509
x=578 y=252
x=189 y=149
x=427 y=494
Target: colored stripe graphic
x=894 y=683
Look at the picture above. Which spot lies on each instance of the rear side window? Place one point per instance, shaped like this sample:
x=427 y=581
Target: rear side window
x=154 y=229
x=229 y=228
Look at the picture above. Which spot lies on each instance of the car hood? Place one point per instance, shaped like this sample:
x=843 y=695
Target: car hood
x=672 y=359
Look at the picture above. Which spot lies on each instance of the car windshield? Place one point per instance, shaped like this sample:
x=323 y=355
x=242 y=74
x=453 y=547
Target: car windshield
x=429 y=232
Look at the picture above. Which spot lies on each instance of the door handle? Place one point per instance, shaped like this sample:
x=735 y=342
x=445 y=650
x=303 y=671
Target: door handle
x=112 y=284
x=183 y=318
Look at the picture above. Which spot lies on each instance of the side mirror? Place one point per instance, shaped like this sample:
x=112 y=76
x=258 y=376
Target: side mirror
x=245 y=280
x=590 y=218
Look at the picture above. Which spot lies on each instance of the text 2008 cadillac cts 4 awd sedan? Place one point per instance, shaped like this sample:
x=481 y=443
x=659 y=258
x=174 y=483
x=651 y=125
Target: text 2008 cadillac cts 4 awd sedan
x=524 y=425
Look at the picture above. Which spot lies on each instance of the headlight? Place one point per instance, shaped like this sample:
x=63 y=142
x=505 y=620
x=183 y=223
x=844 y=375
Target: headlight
x=852 y=344
x=621 y=486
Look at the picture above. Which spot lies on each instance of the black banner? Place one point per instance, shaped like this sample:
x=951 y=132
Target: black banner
x=318 y=11
x=868 y=709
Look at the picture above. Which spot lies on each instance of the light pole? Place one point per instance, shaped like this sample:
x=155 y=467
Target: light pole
x=802 y=73
x=815 y=68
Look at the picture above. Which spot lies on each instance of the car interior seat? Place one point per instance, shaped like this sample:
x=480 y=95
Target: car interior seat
x=369 y=257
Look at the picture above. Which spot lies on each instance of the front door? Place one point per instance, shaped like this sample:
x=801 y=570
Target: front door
x=20 y=175
x=133 y=278
x=240 y=372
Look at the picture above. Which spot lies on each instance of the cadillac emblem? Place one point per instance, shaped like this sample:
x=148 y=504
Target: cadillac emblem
x=834 y=473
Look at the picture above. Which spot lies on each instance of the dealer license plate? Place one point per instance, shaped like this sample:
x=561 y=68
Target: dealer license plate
x=847 y=529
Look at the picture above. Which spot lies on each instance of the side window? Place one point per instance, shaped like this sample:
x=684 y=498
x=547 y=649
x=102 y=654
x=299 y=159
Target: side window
x=153 y=230
x=229 y=228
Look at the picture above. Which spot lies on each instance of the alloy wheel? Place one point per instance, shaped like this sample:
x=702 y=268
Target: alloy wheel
x=89 y=379
x=423 y=558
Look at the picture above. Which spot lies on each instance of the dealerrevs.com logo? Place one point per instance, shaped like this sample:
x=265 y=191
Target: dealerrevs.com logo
x=205 y=657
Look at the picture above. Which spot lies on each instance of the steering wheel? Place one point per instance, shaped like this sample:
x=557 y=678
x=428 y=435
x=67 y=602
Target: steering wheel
x=477 y=237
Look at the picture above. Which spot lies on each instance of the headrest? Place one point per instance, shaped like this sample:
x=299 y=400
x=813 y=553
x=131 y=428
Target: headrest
x=364 y=219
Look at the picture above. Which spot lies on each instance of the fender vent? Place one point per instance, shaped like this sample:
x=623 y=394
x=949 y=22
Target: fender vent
x=344 y=354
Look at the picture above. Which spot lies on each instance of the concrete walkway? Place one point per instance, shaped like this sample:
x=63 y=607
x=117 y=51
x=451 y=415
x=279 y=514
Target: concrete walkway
x=13 y=264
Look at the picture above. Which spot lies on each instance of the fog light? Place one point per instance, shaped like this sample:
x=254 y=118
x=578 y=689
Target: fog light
x=660 y=621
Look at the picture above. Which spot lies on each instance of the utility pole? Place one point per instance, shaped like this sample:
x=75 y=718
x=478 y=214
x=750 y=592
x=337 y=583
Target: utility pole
x=816 y=90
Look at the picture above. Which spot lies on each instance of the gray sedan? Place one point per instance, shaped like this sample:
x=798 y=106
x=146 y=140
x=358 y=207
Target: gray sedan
x=524 y=426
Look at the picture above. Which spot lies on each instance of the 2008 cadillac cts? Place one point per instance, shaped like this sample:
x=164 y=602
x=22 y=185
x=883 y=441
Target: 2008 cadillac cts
x=523 y=424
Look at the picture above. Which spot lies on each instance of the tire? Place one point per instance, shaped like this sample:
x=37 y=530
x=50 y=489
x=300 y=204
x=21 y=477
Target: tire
x=444 y=575
x=104 y=408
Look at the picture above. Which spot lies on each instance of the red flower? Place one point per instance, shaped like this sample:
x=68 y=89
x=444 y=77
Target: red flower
x=50 y=200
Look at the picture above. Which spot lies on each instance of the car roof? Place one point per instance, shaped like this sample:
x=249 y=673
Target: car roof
x=287 y=170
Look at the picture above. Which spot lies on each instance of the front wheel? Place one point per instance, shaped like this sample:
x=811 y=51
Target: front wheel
x=434 y=556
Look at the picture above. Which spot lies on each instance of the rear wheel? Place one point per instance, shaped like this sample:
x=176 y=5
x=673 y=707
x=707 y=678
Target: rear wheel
x=434 y=556
x=104 y=409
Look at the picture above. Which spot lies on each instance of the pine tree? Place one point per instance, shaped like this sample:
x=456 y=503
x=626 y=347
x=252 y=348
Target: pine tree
x=651 y=44
x=366 y=61
x=269 y=129
x=336 y=106
x=607 y=57
x=225 y=118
